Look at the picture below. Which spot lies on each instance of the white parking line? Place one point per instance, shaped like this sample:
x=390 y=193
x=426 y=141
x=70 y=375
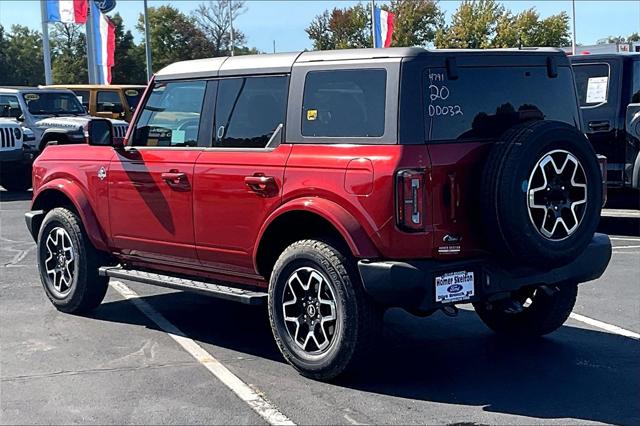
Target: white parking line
x=624 y=247
x=624 y=238
x=604 y=326
x=264 y=408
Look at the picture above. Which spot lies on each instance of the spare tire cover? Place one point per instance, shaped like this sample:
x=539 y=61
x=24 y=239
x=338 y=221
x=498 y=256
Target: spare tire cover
x=541 y=194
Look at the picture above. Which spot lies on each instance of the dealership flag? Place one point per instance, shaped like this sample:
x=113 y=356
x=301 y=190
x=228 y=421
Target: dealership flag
x=383 y=27
x=67 y=11
x=105 y=44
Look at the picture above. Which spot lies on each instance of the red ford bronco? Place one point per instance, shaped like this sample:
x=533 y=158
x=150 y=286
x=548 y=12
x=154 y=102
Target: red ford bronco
x=332 y=185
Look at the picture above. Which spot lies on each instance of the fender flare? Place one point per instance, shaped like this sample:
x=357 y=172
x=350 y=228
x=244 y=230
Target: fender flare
x=359 y=242
x=80 y=201
x=53 y=132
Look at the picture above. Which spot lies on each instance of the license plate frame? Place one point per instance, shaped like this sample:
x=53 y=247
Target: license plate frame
x=454 y=287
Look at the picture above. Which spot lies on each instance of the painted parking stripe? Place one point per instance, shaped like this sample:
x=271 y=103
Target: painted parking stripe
x=260 y=405
x=624 y=238
x=604 y=326
x=624 y=247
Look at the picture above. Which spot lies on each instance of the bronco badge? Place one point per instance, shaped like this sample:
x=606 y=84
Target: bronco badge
x=102 y=173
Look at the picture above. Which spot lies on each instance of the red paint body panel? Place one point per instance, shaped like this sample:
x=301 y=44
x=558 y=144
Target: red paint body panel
x=152 y=218
x=228 y=214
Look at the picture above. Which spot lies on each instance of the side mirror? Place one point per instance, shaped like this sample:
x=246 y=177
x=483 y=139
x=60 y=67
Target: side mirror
x=100 y=132
x=20 y=118
x=632 y=122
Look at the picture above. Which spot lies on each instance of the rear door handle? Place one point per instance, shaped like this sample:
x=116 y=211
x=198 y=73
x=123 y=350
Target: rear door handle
x=260 y=183
x=599 y=126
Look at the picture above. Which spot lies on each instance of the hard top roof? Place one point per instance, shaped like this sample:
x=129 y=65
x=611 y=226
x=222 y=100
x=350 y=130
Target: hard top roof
x=283 y=62
x=26 y=89
x=95 y=86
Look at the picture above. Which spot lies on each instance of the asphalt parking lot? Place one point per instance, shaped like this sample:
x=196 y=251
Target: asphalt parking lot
x=117 y=365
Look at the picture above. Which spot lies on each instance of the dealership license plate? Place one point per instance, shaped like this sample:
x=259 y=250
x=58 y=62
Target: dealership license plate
x=454 y=287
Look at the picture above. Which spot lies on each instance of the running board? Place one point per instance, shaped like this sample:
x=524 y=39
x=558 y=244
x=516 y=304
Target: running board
x=248 y=297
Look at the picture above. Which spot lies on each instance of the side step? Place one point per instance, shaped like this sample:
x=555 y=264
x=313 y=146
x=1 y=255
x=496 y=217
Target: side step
x=248 y=297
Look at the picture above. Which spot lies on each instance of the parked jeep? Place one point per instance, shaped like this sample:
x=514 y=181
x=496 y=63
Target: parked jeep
x=53 y=115
x=333 y=185
x=15 y=157
x=609 y=93
x=117 y=101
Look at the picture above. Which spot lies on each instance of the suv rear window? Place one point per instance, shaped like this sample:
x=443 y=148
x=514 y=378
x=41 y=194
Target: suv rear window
x=592 y=82
x=482 y=103
x=344 y=103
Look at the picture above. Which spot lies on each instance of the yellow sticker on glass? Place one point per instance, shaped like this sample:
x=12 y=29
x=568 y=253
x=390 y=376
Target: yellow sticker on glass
x=312 y=114
x=131 y=92
x=31 y=96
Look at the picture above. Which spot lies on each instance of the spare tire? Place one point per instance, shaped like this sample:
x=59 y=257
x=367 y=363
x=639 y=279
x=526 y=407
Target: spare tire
x=541 y=194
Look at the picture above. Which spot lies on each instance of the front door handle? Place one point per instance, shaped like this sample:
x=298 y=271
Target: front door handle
x=260 y=184
x=174 y=177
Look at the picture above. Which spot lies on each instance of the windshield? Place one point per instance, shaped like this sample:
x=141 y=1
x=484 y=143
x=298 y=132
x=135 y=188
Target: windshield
x=53 y=103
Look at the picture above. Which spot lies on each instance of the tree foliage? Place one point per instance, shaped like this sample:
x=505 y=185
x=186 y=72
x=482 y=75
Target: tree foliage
x=416 y=22
x=485 y=24
x=174 y=36
x=22 y=49
x=341 y=28
x=130 y=62
x=213 y=19
x=69 y=54
x=620 y=39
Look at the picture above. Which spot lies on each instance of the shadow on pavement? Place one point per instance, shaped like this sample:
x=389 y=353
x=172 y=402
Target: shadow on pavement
x=573 y=373
x=629 y=226
x=15 y=196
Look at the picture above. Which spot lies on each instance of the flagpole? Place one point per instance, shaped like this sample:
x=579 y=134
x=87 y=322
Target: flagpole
x=46 y=49
x=231 y=26
x=373 y=23
x=573 y=17
x=91 y=57
x=147 y=43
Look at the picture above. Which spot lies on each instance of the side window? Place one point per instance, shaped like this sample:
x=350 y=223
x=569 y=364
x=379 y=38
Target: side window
x=635 y=91
x=9 y=106
x=249 y=111
x=83 y=97
x=109 y=101
x=171 y=115
x=592 y=82
x=344 y=103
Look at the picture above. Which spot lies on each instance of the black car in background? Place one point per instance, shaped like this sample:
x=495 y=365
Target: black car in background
x=609 y=91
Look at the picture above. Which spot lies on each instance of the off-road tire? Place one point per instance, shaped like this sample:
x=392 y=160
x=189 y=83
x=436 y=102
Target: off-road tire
x=88 y=288
x=546 y=313
x=509 y=231
x=360 y=319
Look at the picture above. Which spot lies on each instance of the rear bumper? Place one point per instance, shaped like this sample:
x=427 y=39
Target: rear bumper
x=411 y=284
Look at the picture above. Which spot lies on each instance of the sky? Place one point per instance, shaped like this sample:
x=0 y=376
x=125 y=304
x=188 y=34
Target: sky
x=284 y=21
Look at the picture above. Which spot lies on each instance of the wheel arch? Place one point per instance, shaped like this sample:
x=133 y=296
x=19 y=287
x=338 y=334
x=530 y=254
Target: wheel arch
x=62 y=193
x=309 y=218
x=50 y=135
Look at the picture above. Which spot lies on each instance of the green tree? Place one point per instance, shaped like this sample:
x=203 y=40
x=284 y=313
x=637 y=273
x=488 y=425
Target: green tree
x=5 y=69
x=481 y=24
x=416 y=22
x=130 y=65
x=23 y=52
x=473 y=25
x=174 y=37
x=527 y=29
x=212 y=18
x=69 y=54
x=342 y=28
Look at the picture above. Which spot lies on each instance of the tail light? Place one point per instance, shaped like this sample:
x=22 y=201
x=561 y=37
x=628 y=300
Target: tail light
x=410 y=199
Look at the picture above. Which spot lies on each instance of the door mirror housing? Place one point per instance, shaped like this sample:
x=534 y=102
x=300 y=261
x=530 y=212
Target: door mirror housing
x=632 y=121
x=100 y=132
